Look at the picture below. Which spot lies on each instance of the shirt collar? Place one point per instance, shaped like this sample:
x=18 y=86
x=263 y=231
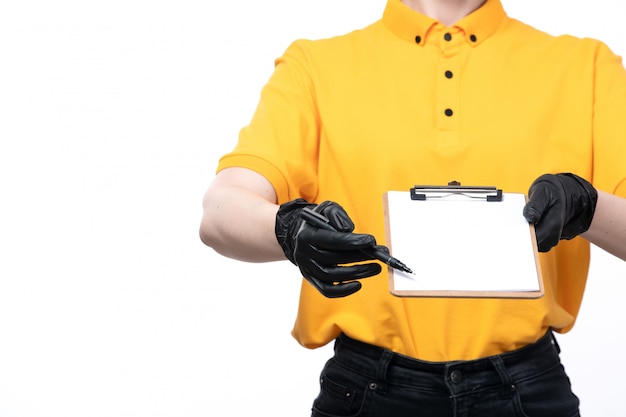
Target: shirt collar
x=415 y=27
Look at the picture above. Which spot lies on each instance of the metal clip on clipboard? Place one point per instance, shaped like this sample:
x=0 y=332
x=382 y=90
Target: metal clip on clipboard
x=454 y=188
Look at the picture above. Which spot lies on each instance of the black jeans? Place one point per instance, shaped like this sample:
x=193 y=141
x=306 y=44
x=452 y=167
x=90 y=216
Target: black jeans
x=365 y=380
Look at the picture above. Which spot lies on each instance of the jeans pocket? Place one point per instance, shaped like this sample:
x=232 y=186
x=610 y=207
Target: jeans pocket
x=547 y=395
x=343 y=393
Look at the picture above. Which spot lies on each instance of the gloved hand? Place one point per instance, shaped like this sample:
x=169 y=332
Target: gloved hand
x=561 y=206
x=319 y=252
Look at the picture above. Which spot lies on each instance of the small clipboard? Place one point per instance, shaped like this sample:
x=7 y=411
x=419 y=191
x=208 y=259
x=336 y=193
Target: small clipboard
x=461 y=241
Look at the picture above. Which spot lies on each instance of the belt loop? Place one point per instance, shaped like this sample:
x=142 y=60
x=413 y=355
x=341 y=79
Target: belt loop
x=507 y=383
x=383 y=367
x=555 y=343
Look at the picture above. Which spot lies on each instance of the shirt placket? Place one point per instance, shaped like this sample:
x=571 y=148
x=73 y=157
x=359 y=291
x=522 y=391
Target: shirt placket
x=448 y=73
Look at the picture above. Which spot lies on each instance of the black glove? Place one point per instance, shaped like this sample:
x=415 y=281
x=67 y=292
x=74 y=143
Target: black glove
x=561 y=206
x=319 y=252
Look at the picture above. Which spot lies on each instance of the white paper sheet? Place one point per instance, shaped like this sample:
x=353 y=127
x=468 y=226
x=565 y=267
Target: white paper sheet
x=461 y=244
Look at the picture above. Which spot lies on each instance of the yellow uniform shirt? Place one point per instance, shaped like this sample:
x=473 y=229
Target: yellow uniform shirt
x=405 y=101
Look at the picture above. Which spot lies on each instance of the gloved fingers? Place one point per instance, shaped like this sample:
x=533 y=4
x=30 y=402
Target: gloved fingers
x=548 y=224
x=336 y=215
x=533 y=211
x=545 y=209
x=548 y=233
x=336 y=273
x=382 y=248
x=335 y=290
x=359 y=271
x=333 y=240
x=324 y=257
x=541 y=196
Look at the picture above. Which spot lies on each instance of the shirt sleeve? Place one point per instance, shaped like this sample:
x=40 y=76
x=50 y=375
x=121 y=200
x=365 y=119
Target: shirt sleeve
x=281 y=140
x=609 y=123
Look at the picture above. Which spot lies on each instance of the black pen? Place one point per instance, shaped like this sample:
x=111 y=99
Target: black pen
x=320 y=221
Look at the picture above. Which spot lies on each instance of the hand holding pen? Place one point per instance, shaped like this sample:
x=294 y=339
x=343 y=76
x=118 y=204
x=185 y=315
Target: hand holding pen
x=320 y=221
x=328 y=254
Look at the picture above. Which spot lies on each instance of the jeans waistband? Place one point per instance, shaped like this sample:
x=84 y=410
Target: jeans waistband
x=387 y=366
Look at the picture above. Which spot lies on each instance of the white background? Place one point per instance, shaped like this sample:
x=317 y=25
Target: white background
x=112 y=118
